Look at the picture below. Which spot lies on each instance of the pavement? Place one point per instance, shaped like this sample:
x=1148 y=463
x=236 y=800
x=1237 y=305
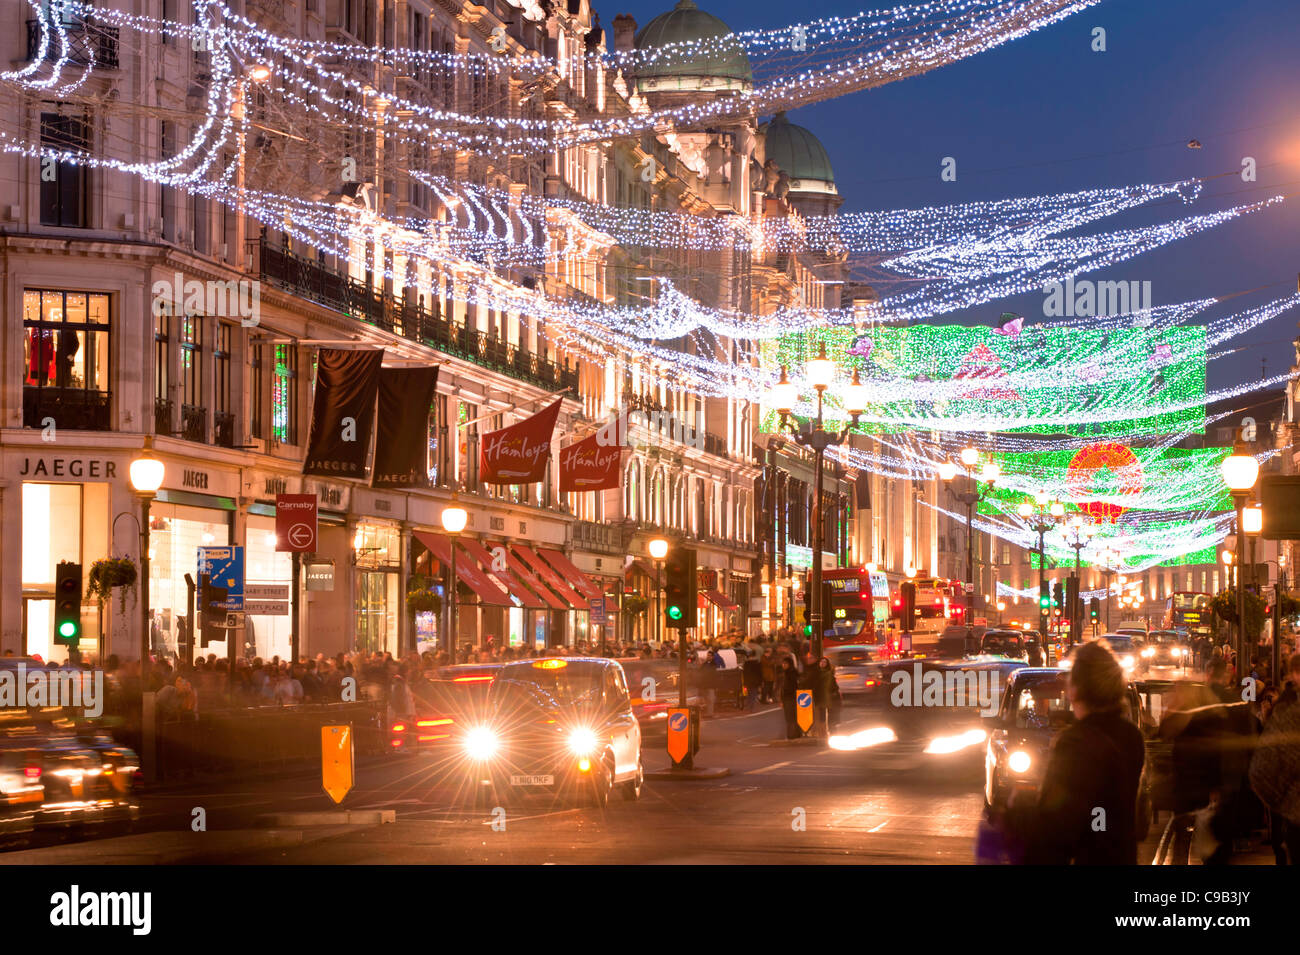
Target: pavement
x=778 y=804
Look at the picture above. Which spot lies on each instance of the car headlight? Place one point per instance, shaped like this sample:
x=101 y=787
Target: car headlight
x=952 y=744
x=481 y=743
x=1019 y=762
x=863 y=739
x=1127 y=661
x=1064 y=664
x=1149 y=652
x=582 y=742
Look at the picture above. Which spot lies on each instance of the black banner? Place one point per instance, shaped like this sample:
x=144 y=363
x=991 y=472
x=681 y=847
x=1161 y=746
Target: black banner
x=343 y=413
x=402 y=445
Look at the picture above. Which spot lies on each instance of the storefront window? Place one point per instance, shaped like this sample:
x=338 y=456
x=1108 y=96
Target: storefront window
x=45 y=508
x=284 y=395
x=269 y=635
x=176 y=532
x=65 y=358
x=377 y=551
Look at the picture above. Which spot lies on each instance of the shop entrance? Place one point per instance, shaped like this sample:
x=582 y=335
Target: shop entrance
x=377 y=603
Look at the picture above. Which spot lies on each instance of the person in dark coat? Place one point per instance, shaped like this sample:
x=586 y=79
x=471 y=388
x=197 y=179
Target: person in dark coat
x=789 y=679
x=819 y=676
x=1087 y=809
x=752 y=675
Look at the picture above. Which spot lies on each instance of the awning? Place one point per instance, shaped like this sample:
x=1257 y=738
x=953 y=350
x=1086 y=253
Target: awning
x=502 y=577
x=576 y=578
x=533 y=581
x=722 y=600
x=640 y=566
x=466 y=569
x=547 y=573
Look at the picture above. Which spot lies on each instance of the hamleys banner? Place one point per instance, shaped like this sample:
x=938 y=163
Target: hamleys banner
x=594 y=463
x=518 y=454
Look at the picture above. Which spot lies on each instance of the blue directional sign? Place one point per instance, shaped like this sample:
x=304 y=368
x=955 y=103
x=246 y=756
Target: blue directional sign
x=678 y=721
x=803 y=702
x=225 y=568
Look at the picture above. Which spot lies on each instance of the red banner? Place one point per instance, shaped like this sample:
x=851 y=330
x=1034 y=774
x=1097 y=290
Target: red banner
x=594 y=463
x=518 y=454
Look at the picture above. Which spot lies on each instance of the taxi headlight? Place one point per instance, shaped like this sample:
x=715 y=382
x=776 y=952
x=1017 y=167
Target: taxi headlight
x=481 y=743
x=1149 y=652
x=1019 y=762
x=952 y=744
x=1064 y=664
x=582 y=742
x=1127 y=661
x=863 y=739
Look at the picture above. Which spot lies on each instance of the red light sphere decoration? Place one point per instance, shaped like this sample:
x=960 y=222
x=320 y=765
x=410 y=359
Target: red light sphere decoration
x=1107 y=467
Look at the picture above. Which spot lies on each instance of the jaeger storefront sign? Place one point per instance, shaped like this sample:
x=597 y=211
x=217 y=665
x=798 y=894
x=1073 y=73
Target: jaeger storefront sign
x=43 y=468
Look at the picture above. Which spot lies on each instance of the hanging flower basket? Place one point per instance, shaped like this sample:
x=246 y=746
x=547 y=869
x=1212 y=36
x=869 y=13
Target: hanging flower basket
x=112 y=573
x=423 y=600
x=635 y=605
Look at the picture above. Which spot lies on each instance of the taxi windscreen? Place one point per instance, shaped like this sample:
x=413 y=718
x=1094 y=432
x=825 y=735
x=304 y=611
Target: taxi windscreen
x=573 y=683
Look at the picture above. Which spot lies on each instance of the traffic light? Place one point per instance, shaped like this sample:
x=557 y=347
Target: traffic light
x=907 y=593
x=212 y=610
x=1094 y=609
x=1072 y=605
x=1044 y=597
x=67 y=604
x=681 y=584
x=1058 y=598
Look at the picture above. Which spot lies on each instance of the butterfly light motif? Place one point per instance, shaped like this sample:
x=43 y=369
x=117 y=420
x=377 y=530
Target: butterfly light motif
x=862 y=347
x=1163 y=355
x=1011 y=329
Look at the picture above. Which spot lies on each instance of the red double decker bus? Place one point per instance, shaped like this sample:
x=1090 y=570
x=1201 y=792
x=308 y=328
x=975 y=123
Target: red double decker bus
x=857 y=607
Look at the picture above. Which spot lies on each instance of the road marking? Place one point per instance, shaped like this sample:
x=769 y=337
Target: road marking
x=879 y=827
x=768 y=769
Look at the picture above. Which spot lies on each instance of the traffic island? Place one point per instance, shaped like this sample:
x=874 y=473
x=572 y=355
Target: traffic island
x=344 y=817
x=688 y=775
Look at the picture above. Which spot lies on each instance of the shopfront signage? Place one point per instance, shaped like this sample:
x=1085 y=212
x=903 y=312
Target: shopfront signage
x=383 y=505
x=267 y=608
x=266 y=592
x=497 y=523
x=68 y=467
x=295 y=522
x=596 y=606
x=275 y=485
x=194 y=479
x=319 y=575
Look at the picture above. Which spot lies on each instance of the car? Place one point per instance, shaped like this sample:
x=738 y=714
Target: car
x=1035 y=707
x=1004 y=643
x=956 y=643
x=930 y=719
x=858 y=674
x=654 y=688
x=1166 y=648
x=1126 y=647
x=443 y=708
x=562 y=726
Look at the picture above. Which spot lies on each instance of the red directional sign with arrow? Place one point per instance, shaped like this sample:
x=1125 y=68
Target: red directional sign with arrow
x=295 y=523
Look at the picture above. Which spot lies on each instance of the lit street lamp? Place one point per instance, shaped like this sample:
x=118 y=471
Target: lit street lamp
x=1082 y=535
x=1240 y=472
x=454 y=518
x=658 y=551
x=146 y=473
x=1040 y=510
x=820 y=373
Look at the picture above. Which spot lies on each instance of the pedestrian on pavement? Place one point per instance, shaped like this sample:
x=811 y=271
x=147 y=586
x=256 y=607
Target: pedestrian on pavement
x=1275 y=766
x=1094 y=768
x=789 y=680
x=752 y=677
x=768 y=667
x=819 y=676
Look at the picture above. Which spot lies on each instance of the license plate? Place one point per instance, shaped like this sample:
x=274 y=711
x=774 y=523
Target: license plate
x=532 y=780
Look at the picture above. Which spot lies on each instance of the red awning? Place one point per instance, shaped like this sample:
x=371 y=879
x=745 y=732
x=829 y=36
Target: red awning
x=479 y=553
x=532 y=580
x=547 y=573
x=722 y=600
x=466 y=569
x=576 y=578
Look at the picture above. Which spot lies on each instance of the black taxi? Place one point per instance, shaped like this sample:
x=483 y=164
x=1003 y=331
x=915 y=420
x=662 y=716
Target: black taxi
x=562 y=726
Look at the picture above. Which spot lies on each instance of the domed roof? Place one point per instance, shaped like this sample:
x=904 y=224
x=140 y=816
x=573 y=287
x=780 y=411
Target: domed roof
x=798 y=152
x=725 y=68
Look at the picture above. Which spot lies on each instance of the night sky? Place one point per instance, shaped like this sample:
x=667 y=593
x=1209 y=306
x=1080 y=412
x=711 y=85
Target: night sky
x=1047 y=114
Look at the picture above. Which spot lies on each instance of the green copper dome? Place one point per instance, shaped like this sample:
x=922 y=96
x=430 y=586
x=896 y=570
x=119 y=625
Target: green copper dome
x=797 y=151
x=719 y=69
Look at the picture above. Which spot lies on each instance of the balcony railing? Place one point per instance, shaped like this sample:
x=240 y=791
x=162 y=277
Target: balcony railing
x=88 y=42
x=322 y=285
x=162 y=416
x=223 y=429
x=194 y=423
x=76 y=409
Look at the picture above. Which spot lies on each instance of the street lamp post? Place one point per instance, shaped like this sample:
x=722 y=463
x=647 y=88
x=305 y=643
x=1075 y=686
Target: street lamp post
x=1082 y=534
x=1240 y=472
x=989 y=473
x=658 y=551
x=1040 y=511
x=146 y=477
x=820 y=373
x=454 y=518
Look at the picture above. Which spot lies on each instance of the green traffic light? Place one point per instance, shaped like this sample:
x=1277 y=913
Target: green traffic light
x=807 y=630
x=67 y=629
x=675 y=612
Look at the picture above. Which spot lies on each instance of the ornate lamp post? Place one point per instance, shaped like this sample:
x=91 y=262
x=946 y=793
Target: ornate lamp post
x=820 y=373
x=1240 y=472
x=989 y=473
x=146 y=477
x=454 y=518
x=1080 y=536
x=1043 y=511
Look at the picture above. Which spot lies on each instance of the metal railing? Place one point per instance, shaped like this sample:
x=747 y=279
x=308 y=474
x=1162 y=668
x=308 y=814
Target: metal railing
x=162 y=415
x=194 y=423
x=223 y=429
x=74 y=408
x=88 y=42
x=410 y=319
